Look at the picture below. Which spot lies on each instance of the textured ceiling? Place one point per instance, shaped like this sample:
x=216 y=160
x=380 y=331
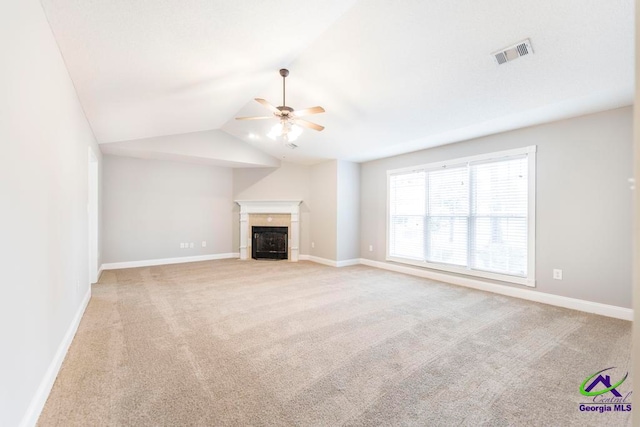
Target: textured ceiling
x=393 y=76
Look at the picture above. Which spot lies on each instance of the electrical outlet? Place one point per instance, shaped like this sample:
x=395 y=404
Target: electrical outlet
x=204 y=243
x=191 y=245
x=370 y=248
x=181 y=245
x=557 y=274
x=313 y=245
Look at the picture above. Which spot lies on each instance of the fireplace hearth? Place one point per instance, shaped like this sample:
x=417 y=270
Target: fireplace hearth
x=269 y=242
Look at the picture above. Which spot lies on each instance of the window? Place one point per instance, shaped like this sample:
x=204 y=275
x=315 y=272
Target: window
x=472 y=216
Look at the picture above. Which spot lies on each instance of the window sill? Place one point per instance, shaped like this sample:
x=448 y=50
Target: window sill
x=525 y=281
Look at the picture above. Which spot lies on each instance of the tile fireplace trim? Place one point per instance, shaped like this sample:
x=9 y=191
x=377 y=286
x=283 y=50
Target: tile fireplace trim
x=291 y=207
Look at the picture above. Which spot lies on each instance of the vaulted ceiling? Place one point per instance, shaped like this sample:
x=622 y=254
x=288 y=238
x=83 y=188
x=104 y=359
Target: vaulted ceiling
x=162 y=78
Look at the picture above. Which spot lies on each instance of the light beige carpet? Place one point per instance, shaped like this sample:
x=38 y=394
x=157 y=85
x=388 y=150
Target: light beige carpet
x=233 y=343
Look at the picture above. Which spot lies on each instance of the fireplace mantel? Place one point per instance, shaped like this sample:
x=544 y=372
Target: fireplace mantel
x=291 y=207
x=269 y=206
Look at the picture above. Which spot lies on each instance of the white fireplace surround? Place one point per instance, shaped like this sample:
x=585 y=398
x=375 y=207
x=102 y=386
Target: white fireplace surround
x=291 y=207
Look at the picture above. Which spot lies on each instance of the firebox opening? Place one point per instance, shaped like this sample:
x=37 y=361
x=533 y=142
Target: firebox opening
x=269 y=243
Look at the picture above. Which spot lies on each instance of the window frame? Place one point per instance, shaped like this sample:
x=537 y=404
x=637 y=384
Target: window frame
x=530 y=152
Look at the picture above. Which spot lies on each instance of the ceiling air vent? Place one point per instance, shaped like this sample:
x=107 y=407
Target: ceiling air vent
x=291 y=145
x=513 y=52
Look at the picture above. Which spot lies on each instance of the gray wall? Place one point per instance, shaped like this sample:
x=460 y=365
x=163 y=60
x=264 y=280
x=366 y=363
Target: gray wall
x=583 y=207
x=323 y=209
x=288 y=182
x=151 y=206
x=348 y=211
x=43 y=205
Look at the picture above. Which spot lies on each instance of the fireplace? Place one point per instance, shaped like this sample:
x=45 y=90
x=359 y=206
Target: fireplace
x=269 y=213
x=269 y=242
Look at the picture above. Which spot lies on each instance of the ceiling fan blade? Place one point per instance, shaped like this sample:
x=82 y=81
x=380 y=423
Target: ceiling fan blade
x=309 y=125
x=308 y=111
x=269 y=106
x=254 y=118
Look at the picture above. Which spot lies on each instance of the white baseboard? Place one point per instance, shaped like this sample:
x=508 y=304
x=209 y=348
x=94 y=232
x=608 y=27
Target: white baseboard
x=560 y=301
x=348 y=262
x=329 y=262
x=165 y=261
x=323 y=261
x=40 y=398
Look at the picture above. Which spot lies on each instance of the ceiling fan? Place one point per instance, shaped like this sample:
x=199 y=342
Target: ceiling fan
x=287 y=116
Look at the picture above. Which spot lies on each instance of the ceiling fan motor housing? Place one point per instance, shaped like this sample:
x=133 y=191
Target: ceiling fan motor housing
x=285 y=110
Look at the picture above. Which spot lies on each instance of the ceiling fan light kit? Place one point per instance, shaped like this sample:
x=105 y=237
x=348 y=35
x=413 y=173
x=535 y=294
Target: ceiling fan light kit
x=285 y=130
x=289 y=127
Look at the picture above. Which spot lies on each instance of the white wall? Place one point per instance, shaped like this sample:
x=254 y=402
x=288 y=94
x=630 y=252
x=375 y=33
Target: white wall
x=636 y=215
x=211 y=147
x=583 y=206
x=43 y=209
x=151 y=206
x=288 y=182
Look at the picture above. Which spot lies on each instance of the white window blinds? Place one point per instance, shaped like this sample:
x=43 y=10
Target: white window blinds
x=447 y=215
x=406 y=227
x=473 y=215
x=499 y=216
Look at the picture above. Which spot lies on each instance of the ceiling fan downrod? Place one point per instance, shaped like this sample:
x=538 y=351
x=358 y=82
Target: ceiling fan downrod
x=284 y=73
